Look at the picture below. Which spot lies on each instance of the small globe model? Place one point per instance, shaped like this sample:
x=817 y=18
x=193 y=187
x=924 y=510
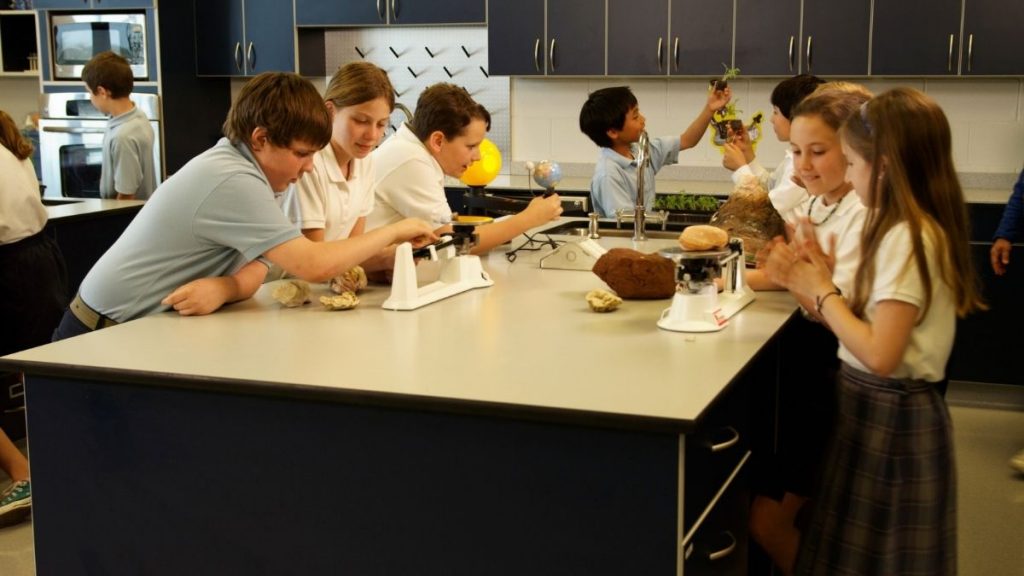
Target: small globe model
x=547 y=174
x=484 y=170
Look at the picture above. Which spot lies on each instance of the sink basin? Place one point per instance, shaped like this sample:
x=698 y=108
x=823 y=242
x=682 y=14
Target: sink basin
x=59 y=201
x=610 y=229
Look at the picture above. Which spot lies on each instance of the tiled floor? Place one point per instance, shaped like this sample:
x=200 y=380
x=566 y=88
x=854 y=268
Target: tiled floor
x=991 y=499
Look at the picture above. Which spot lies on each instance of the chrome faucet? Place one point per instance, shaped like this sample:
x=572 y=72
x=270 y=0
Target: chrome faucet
x=643 y=160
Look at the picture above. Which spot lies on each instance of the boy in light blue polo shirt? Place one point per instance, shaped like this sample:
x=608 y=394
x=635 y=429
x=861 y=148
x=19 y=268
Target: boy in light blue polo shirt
x=611 y=118
x=128 y=171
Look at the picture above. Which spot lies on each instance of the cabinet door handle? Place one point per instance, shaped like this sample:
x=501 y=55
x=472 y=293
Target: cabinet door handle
x=675 y=52
x=551 y=54
x=722 y=446
x=250 y=56
x=949 y=61
x=238 y=56
x=536 y=55
x=724 y=552
x=809 y=52
x=660 y=42
x=792 y=41
x=394 y=10
x=380 y=13
x=970 y=51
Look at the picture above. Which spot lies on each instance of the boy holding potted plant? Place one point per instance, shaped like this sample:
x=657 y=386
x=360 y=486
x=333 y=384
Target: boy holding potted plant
x=611 y=118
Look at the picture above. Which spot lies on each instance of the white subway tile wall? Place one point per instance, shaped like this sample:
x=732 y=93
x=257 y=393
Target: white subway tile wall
x=985 y=116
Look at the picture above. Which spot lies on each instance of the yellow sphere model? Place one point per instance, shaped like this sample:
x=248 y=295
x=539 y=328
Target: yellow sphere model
x=484 y=170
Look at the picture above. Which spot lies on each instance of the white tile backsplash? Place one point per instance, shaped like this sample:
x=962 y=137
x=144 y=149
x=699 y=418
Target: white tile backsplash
x=985 y=116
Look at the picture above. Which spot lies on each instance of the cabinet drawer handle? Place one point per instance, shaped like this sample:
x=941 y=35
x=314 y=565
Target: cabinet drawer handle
x=394 y=11
x=660 y=42
x=792 y=40
x=724 y=552
x=250 y=57
x=536 y=55
x=551 y=55
x=380 y=13
x=722 y=446
x=809 y=52
x=970 y=51
x=949 y=61
x=238 y=56
x=675 y=52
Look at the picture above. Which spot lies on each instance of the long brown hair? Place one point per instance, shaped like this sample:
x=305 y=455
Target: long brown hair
x=905 y=135
x=358 y=82
x=12 y=139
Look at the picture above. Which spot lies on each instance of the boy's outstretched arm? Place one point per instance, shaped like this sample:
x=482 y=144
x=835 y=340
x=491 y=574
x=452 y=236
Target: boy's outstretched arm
x=717 y=99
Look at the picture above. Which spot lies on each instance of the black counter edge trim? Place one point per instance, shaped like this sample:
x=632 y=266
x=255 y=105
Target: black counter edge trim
x=356 y=397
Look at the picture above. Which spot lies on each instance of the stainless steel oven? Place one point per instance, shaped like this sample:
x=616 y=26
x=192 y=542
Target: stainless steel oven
x=71 y=142
x=76 y=38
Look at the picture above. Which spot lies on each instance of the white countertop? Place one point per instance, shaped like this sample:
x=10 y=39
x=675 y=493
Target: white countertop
x=528 y=342
x=87 y=207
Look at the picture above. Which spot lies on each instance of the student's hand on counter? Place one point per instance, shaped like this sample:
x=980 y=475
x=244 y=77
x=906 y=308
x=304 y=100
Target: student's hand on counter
x=202 y=296
x=1000 y=255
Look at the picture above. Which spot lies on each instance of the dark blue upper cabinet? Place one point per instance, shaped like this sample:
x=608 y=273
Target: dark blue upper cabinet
x=515 y=38
x=638 y=41
x=575 y=43
x=244 y=37
x=340 y=12
x=269 y=36
x=437 y=11
x=220 y=38
x=767 y=37
x=902 y=49
x=91 y=4
x=993 y=43
x=701 y=33
x=835 y=37
x=393 y=12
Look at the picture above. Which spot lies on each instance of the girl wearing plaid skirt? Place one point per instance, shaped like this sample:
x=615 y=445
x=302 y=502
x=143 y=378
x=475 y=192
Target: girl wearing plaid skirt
x=887 y=500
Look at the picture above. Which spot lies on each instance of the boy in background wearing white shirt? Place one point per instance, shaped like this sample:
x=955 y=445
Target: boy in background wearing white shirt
x=785 y=194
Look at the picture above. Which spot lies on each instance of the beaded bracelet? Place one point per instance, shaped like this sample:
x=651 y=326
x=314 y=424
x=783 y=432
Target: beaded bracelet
x=819 y=301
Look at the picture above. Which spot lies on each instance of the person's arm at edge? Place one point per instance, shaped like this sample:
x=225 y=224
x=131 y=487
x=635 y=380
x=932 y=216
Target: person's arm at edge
x=1010 y=228
x=207 y=295
x=321 y=261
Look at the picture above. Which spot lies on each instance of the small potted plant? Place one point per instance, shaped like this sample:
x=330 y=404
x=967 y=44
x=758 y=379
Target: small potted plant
x=687 y=208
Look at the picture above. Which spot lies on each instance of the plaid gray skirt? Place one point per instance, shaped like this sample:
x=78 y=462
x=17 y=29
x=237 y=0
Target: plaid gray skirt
x=887 y=499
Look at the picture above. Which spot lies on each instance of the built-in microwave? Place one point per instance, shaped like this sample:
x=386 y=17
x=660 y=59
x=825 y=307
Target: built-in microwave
x=76 y=38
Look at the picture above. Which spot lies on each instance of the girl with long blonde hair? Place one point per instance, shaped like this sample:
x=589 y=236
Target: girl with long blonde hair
x=887 y=502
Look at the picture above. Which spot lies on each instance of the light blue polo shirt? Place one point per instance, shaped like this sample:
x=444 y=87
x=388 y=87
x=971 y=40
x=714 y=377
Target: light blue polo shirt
x=211 y=218
x=614 y=183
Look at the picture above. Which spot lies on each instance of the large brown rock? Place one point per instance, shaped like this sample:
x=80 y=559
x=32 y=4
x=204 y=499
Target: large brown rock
x=637 y=276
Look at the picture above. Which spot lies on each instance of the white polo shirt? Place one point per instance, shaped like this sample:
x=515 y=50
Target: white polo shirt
x=22 y=213
x=410 y=183
x=786 y=196
x=845 y=221
x=897 y=278
x=326 y=200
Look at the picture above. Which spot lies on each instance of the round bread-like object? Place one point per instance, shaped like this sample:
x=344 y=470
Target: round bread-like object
x=703 y=237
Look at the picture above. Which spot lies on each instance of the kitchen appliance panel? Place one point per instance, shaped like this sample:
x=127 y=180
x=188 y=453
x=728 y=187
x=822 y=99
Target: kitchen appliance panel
x=76 y=38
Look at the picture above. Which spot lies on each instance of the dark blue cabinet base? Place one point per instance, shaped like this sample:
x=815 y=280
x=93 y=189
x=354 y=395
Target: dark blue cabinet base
x=133 y=479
